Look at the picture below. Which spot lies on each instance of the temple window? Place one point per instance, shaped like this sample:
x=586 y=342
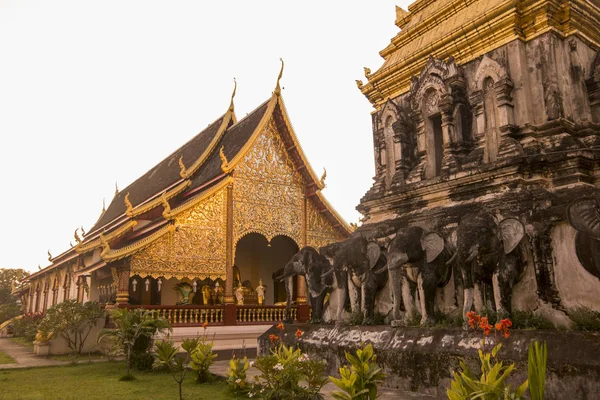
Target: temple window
x=433 y=134
x=490 y=105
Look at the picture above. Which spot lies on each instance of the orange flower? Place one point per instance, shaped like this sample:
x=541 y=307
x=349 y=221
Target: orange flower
x=280 y=326
x=507 y=323
x=273 y=338
x=205 y=325
x=485 y=326
x=299 y=333
x=473 y=319
x=506 y=334
x=499 y=327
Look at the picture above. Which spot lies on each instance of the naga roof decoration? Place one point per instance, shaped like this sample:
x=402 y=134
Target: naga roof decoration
x=194 y=176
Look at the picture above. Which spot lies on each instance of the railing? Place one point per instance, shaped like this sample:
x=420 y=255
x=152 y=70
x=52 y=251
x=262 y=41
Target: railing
x=264 y=314
x=188 y=315
x=228 y=314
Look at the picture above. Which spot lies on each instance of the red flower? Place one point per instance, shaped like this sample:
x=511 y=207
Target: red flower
x=205 y=325
x=506 y=334
x=280 y=326
x=299 y=333
x=273 y=338
x=499 y=327
x=507 y=323
x=473 y=319
x=485 y=326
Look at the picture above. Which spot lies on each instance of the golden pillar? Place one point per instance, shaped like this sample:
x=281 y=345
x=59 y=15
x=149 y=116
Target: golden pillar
x=123 y=285
x=229 y=299
x=300 y=281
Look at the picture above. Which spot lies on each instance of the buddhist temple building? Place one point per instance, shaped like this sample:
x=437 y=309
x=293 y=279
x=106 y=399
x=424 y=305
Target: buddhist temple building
x=223 y=213
x=493 y=106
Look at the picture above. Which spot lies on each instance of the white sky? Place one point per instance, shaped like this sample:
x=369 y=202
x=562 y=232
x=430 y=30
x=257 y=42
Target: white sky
x=93 y=92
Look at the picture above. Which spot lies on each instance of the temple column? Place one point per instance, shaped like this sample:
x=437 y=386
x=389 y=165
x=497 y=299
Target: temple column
x=229 y=299
x=123 y=286
x=300 y=281
x=45 y=304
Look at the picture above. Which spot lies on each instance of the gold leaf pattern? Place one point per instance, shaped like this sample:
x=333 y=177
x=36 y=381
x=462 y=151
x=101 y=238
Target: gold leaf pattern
x=195 y=250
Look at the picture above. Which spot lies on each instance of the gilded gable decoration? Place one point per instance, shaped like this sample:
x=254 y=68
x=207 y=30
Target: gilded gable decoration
x=268 y=191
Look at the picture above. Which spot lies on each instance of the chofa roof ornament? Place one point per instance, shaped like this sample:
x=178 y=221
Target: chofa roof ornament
x=277 y=91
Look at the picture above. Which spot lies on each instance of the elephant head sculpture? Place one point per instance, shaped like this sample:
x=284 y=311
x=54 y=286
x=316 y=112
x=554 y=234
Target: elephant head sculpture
x=488 y=254
x=359 y=268
x=320 y=280
x=584 y=216
x=417 y=258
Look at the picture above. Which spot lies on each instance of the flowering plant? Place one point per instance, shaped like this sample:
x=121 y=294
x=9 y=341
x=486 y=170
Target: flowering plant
x=491 y=384
x=283 y=369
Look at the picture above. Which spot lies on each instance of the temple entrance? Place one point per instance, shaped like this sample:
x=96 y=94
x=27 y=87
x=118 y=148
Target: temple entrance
x=256 y=260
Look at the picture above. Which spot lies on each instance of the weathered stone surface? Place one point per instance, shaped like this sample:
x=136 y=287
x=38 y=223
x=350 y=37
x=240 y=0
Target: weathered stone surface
x=420 y=359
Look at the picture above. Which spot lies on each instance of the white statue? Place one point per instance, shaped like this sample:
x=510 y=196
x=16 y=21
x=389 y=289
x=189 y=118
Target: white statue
x=239 y=295
x=260 y=291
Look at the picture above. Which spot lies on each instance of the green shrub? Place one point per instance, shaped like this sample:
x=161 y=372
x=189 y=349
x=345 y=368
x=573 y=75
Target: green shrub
x=236 y=375
x=166 y=357
x=361 y=379
x=585 y=319
x=202 y=357
x=528 y=320
x=282 y=370
x=27 y=326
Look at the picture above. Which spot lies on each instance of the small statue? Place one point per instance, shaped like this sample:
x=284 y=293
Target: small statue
x=206 y=294
x=239 y=295
x=184 y=289
x=260 y=291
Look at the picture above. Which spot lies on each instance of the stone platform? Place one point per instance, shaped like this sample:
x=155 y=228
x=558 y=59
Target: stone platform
x=420 y=359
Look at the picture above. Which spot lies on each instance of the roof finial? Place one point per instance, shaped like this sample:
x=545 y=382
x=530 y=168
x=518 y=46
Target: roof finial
x=116 y=189
x=183 y=170
x=322 y=180
x=128 y=206
x=76 y=236
x=231 y=107
x=103 y=205
x=224 y=161
x=104 y=244
x=278 y=88
x=165 y=203
x=49 y=255
x=82 y=231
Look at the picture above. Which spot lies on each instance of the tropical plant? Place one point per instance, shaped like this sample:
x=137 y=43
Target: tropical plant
x=27 y=326
x=202 y=357
x=72 y=321
x=491 y=384
x=237 y=374
x=536 y=369
x=166 y=357
x=130 y=326
x=283 y=369
x=360 y=380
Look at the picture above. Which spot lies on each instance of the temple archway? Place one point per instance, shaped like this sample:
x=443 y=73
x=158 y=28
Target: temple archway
x=258 y=259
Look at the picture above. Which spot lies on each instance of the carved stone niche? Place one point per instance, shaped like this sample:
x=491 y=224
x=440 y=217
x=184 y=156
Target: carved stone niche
x=593 y=88
x=435 y=100
x=394 y=145
x=492 y=104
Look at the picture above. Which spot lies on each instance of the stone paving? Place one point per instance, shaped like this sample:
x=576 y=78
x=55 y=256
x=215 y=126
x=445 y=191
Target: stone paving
x=25 y=358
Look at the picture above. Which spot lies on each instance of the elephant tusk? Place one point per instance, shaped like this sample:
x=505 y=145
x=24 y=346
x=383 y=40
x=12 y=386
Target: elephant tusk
x=473 y=254
x=451 y=260
x=325 y=274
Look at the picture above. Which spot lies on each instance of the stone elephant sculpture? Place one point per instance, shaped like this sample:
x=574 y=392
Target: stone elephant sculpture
x=316 y=269
x=417 y=257
x=584 y=216
x=488 y=254
x=360 y=271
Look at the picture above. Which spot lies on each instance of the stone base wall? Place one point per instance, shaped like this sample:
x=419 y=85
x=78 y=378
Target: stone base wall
x=421 y=359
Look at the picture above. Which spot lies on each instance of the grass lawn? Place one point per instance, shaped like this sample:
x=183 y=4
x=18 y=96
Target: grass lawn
x=101 y=381
x=22 y=342
x=82 y=357
x=5 y=358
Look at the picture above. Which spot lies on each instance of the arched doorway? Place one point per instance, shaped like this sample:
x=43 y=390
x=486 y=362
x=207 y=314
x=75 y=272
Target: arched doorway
x=257 y=259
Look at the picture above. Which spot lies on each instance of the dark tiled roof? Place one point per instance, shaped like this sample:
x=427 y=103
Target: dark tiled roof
x=161 y=176
x=233 y=140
